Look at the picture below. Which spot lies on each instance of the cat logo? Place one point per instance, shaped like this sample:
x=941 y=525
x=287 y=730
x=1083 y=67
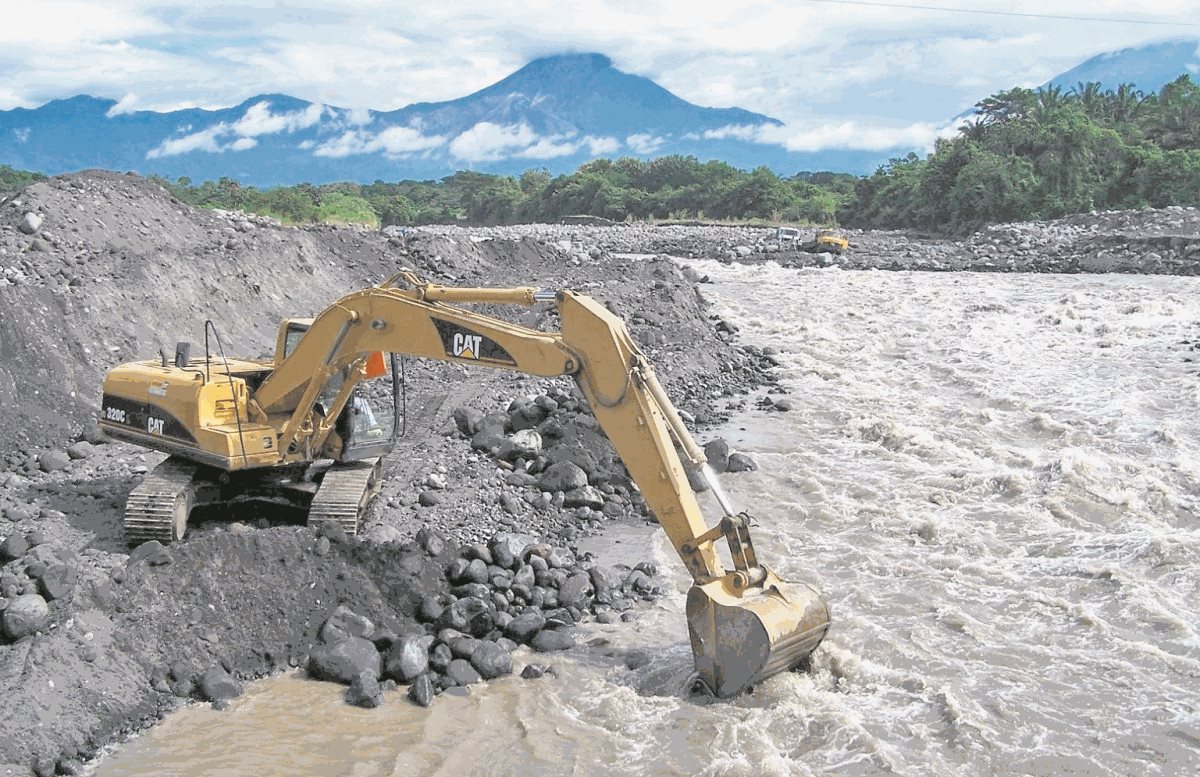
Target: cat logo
x=154 y=425
x=465 y=346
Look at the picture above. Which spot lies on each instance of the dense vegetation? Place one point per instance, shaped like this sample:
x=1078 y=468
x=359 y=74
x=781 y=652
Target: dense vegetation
x=667 y=187
x=1042 y=154
x=11 y=180
x=1024 y=155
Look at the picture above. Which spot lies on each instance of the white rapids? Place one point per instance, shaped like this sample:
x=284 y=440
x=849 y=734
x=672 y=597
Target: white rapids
x=994 y=481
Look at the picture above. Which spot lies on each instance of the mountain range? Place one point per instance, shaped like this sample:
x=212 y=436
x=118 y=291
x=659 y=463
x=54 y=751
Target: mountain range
x=556 y=112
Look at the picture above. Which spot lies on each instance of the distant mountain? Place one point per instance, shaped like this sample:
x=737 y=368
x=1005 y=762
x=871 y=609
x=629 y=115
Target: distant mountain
x=1147 y=67
x=556 y=112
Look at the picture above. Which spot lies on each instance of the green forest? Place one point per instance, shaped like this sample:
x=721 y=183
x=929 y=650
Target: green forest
x=1024 y=154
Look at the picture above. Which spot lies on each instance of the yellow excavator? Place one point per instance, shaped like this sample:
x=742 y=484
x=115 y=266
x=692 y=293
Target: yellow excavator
x=300 y=427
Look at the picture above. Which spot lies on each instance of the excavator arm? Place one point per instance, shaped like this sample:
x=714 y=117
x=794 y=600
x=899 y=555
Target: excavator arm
x=745 y=623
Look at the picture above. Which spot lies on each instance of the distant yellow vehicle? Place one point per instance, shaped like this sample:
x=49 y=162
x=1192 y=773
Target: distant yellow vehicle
x=824 y=240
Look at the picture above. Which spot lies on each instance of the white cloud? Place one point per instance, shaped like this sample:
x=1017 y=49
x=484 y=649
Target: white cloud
x=394 y=142
x=22 y=134
x=644 y=143
x=203 y=140
x=602 y=145
x=487 y=142
x=842 y=135
x=243 y=144
x=258 y=120
x=124 y=105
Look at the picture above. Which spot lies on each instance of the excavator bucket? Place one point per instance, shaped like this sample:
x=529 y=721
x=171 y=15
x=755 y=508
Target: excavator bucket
x=739 y=641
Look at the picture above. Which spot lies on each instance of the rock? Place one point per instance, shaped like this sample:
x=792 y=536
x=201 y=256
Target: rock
x=25 y=615
x=343 y=623
x=575 y=591
x=341 y=662
x=489 y=438
x=526 y=416
x=364 y=691
x=217 y=684
x=430 y=541
x=583 y=497
x=560 y=558
x=54 y=461
x=476 y=572
x=470 y=616
x=80 y=450
x=533 y=672
x=550 y=640
x=603 y=578
x=783 y=404
x=491 y=660
x=321 y=547
x=30 y=223
x=515 y=543
x=740 y=462
x=717 y=453
x=525 y=626
x=14 y=547
x=436 y=481
x=524 y=444
x=562 y=476
x=696 y=480
x=58 y=581
x=430 y=609
x=430 y=499
x=462 y=673
x=421 y=691
x=468 y=420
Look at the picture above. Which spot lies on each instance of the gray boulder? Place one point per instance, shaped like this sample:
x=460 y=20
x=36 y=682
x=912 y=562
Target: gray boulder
x=491 y=660
x=217 y=684
x=468 y=420
x=515 y=543
x=562 y=476
x=525 y=626
x=344 y=623
x=364 y=691
x=550 y=640
x=740 y=462
x=58 y=581
x=30 y=223
x=717 y=453
x=406 y=660
x=25 y=615
x=343 y=661
x=53 y=461
x=586 y=496
x=575 y=591
x=421 y=691
x=80 y=450
x=524 y=444
x=462 y=673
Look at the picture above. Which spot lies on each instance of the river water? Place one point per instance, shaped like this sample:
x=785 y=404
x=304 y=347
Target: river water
x=993 y=479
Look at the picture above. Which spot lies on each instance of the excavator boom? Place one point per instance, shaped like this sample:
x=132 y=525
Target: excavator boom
x=745 y=623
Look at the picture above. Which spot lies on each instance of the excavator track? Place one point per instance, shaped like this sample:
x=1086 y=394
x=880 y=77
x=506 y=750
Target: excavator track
x=345 y=492
x=157 y=509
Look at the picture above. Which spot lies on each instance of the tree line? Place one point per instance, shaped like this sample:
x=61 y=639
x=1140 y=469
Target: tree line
x=1042 y=154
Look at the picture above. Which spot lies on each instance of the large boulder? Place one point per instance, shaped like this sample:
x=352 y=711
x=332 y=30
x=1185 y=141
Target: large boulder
x=364 y=691
x=462 y=673
x=468 y=420
x=421 y=691
x=525 y=444
x=717 y=453
x=740 y=462
x=574 y=592
x=344 y=623
x=53 y=461
x=514 y=543
x=406 y=660
x=470 y=616
x=25 y=615
x=341 y=662
x=216 y=685
x=525 y=626
x=30 y=222
x=58 y=581
x=550 y=640
x=491 y=660
x=562 y=476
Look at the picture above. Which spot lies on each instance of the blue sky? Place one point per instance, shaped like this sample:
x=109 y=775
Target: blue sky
x=838 y=73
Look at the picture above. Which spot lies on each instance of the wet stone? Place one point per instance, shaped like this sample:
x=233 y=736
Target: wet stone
x=421 y=691
x=462 y=673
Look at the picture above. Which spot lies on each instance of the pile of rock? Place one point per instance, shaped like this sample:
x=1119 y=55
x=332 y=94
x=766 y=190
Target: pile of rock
x=35 y=573
x=556 y=456
x=513 y=591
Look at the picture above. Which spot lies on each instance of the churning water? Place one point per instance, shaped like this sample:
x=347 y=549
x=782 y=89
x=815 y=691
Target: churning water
x=994 y=480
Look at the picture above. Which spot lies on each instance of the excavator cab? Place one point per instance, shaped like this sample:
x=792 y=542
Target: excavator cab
x=372 y=419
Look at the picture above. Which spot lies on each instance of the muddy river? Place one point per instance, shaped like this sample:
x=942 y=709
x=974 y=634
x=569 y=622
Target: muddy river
x=994 y=480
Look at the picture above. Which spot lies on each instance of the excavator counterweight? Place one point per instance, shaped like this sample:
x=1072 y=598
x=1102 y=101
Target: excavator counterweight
x=299 y=429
